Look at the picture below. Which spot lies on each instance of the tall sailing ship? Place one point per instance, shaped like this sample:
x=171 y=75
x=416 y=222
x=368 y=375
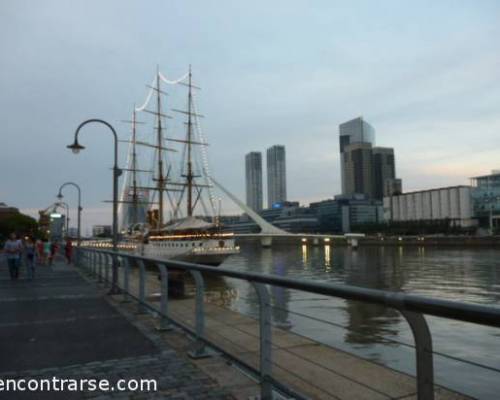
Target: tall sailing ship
x=185 y=236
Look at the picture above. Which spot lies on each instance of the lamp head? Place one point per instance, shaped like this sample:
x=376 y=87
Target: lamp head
x=59 y=196
x=75 y=147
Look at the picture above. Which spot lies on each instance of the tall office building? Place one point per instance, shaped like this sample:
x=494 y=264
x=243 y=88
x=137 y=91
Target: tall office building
x=384 y=169
x=357 y=168
x=276 y=175
x=351 y=132
x=253 y=175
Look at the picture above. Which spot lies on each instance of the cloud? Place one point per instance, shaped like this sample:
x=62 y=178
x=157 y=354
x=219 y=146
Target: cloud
x=426 y=75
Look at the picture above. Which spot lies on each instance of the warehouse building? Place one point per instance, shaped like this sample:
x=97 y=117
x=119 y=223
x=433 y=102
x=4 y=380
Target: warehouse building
x=453 y=204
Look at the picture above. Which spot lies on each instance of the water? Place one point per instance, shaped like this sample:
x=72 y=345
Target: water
x=375 y=332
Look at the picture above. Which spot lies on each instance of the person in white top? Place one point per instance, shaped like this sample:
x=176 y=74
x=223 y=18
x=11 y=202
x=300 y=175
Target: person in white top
x=13 y=249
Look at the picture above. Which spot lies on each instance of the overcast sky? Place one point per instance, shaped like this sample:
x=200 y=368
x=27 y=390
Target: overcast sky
x=425 y=74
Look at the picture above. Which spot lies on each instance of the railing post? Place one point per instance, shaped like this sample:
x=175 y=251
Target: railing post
x=126 y=285
x=94 y=263
x=78 y=254
x=266 y=389
x=142 y=288
x=107 y=259
x=76 y=260
x=423 y=347
x=164 y=317
x=86 y=263
x=100 y=261
x=199 y=349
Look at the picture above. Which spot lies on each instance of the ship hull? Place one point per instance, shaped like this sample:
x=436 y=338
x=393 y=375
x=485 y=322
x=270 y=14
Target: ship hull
x=211 y=252
x=213 y=260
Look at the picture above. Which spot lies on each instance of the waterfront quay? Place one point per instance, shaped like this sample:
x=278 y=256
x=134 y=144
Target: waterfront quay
x=63 y=326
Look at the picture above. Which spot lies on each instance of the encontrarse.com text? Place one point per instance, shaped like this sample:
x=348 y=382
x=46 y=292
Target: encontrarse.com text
x=55 y=384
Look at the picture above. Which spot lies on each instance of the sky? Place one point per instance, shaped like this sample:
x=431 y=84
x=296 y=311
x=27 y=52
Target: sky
x=425 y=75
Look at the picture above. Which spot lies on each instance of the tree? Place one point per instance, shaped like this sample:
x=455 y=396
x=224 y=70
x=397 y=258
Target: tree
x=19 y=223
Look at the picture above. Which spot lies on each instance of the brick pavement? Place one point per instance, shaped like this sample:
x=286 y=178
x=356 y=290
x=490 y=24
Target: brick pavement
x=62 y=325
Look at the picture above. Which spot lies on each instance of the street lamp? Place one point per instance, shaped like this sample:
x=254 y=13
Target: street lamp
x=60 y=197
x=75 y=148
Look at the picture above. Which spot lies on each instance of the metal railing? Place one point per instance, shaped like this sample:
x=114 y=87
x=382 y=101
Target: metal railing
x=412 y=308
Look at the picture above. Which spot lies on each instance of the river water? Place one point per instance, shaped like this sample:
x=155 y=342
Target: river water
x=378 y=333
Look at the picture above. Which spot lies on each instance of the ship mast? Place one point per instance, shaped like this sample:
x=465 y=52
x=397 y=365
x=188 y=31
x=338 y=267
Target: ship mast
x=135 y=203
x=189 y=175
x=189 y=184
x=133 y=168
x=160 y=178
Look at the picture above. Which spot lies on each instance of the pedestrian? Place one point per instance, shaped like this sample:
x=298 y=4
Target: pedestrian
x=46 y=250
x=68 y=250
x=30 y=250
x=40 y=250
x=13 y=248
x=52 y=252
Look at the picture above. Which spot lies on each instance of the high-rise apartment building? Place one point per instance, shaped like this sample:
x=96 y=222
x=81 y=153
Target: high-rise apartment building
x=351 y=132
x=358 y=169
x=276 y=175
x=365 y=169
x=384 y=169
x=253 y=175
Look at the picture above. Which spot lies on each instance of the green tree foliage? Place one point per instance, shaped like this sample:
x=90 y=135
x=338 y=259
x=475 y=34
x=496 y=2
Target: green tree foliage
x=18 y=223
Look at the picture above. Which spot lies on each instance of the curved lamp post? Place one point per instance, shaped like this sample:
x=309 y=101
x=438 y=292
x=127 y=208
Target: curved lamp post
x=76 y=147
x=60 y=197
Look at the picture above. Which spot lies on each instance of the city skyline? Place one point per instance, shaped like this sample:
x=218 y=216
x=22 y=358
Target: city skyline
x=431 y=93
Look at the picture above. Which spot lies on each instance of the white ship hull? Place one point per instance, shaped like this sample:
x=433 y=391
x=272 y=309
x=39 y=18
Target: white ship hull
x=208 y=252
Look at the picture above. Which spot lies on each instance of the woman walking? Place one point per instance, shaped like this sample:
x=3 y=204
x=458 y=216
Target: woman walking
x=30 y=258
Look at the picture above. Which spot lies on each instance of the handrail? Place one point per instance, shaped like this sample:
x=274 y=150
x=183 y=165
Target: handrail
x=473 y=313
x=412 y=308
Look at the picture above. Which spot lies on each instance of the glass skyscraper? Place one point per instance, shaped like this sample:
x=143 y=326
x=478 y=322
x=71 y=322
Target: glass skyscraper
x=356 y=131
x=253 y=175
x=276 y=175
x=384 y=171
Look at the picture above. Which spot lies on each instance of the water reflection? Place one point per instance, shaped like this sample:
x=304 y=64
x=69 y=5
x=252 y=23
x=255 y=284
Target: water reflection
x=304 y=255
x=280 y=296
x=328 y=267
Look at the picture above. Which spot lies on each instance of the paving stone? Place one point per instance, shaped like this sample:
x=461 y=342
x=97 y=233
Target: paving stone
x=77 y=335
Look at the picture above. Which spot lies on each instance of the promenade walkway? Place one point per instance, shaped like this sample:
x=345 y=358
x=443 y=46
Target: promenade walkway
x=61 y=325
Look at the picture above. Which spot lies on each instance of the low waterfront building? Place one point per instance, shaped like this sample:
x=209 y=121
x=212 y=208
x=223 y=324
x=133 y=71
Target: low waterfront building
x=72 y=232
x=101 y=231
x=343 y=213
x=287 y=215
x=238 y=224
x=486 y=199
x=453 y=204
